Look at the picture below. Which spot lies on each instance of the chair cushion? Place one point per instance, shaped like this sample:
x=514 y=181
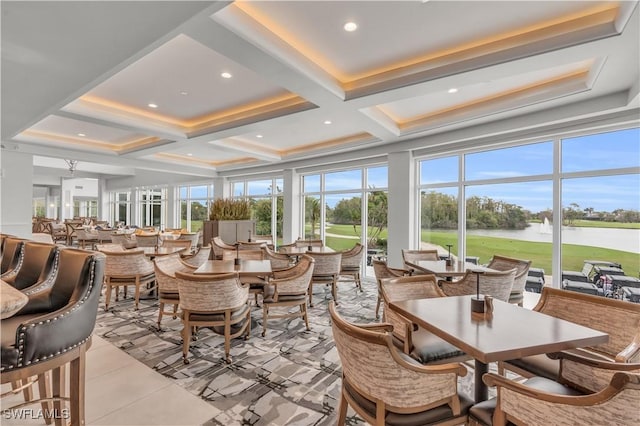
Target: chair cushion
x=132 y=279
x=543 y=366
x=482 y=412
x=218 y=316
x=434 y=415
x=169 y=295
x=429 y=348
x=9 y=354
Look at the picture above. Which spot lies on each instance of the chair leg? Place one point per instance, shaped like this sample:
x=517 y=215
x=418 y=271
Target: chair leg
x=137 y=295
x=305 y=315
x=342 y=410
x=28 y=391
x=311 y=294
x=44 y=389
x=77 y=387
x=186 y=338
x=107 y=296
x=58 y=382
x=378 y=307
x=358 y=282
x=160 y=311
x=175 y=310
x=265 y=315
x=227 y=336
x=334 y=290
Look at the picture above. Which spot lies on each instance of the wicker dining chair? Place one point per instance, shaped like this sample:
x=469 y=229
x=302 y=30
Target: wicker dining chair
x=128 y=268
x=84 y=237
x=278 y=260
x=503 y=263
x=325 y=271
x=186 y=244
x=194 y=237
x=382 y=271
x=219 y=246
x=127 y=241
x=147 y=240
x=497 y=284
x=417 y=255
x=287 y=288
x=351 y=263
x=202 y=255
x=104 y=236
x=165 y=268
x=385 y=387
x=218 y=301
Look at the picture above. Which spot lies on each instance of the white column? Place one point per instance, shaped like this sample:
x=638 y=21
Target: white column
x=16 y=204
x=292 y=214
x=401 y=219
x=173 y=208
x=221 y=188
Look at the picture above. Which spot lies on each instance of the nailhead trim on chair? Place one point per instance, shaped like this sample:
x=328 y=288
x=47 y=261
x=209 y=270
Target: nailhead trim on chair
x=23 y=328
x=15 y=270
x=52 y=276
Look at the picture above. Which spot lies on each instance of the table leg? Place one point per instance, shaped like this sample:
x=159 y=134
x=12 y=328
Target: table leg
x=481 y=392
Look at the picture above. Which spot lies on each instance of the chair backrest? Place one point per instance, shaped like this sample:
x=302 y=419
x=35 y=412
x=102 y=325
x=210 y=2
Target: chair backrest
x=369 y=364
x=187 y=244
x=326 y=263
x=38 y=264
x=382 y=271
x=69 y=308
x=496 y=284
x=219 y=246
x=104 y=235
x=109 y=247
x=211 y=293
x=415 y=255
x=619 y=319
x=194 y=237
x=11 y=253
x=127 y=264
x=83 y=234
x=299 y=283
x=302 y=264
x=502 y=263
x=203 y=254
x=278 y=260
x=147 y=240
x=352 y=258
x=165 y=268
x=243 y=254
x=254 y=245
x=125 y=240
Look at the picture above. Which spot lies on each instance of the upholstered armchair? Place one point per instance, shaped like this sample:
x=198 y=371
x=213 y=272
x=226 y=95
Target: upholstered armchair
x=54 y=328
x=382 y=271
x=165 y=269
x=37 y=267
x=202 y=255
x=219 y=246
x=417 y=255
x=11 y=255
x=496 y=284
x=503 y=263
x=325 y=271
x=383 y=386
x=351 y=263
x=288 y=288
x=420 y=344
x=218 y=301
x=127 y=268
x=278 y=260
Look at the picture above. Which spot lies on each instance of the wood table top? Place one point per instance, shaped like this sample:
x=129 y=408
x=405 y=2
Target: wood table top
x=511 y=332
x=440 y=267
x=11 y=300
x=160 y=251
x=303 y=250
x=245 y=268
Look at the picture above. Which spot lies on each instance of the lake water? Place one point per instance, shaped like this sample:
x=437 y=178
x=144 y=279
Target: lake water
x=616 y=239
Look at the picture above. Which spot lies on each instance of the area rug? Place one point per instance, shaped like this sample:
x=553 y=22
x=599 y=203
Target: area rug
x=289 y=377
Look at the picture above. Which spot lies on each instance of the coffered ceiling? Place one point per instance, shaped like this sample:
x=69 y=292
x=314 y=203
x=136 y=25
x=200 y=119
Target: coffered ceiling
x=206 y=87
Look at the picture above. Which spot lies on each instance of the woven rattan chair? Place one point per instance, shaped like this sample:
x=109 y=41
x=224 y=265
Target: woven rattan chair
x=202 y=255
x=219 y=301
x=382 y=271
x=165 y=268
x=109 y=247
x=416 y=255
x=253 y=245
x=54 y=329
x=420 y=344
x=127 y=241
x=37 y=268
x=85 y=237
x=278 y=260
x=351 y=263
x=502 y=263
x=104 y=235
x=243 y=254
x=385 y=387
x=496 y=284
x=128 y=268
x=325 y=271
x=194 y=237
x=218 y=246
x=288 y=288
x=147 y=240
x=186 y=244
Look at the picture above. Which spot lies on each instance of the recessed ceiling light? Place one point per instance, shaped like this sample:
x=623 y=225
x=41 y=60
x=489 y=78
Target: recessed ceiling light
x=152 y=105
x=183 y=93
x=327 y=121
x=81 y=135
x=350 y=26
x=189 y=154
x=259 y=136
x=452 y=90
x=226 y=75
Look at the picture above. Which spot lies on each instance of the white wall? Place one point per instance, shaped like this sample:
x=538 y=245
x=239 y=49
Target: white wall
x=16 y=195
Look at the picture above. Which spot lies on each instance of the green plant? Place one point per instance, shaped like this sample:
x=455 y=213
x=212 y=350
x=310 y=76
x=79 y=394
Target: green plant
x=230 y=209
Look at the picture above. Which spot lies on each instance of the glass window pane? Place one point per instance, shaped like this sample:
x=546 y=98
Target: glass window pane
x=198 y=215
x=279 y=186
x=600 y=222
x=439 y=170
x=237 y=189
x=279 y=220
x=377 y=209
x=183 y=192
x=311 y=183
x=525 y=160
x=439 y=219
x=261 y=212
x=259 y=187
x=312 y=217
x=343 y=216
x=348 y=179
x=378 y=177
x=602 y=151
x=512 y=220
x=198 y=192
x=183 y=214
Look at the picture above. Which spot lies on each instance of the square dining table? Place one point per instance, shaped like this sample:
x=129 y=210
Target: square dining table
x=510 y=332
x=246 y=268
x=441 y=269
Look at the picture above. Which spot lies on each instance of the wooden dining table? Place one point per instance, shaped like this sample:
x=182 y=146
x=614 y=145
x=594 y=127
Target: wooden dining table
x=152 y=252
x=246 y=268
x=296 y=251
x=441 y=269
x=511 y=332
x=11 y=300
